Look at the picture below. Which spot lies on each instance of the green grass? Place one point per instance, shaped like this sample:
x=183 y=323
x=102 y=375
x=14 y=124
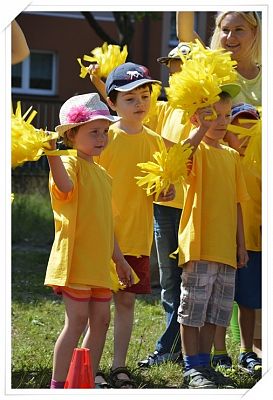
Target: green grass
x=32 y=219
x=37 y=314
x=37 y=319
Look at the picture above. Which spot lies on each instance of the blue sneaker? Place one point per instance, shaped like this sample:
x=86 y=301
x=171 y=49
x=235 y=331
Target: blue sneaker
x=250 y=363
x=156 y=359
x=198 y=378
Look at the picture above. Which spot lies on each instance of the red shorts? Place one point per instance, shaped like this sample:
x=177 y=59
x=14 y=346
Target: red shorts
x=92 y=294
x=141 y=266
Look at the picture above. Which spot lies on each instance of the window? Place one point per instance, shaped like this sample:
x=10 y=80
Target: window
x=35 y=75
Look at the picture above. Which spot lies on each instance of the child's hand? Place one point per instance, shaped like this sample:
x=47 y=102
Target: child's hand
x=93 y=70
x=242 y=257
x=168 y=196
x=124 y=272
x=95 y=78
x=50 y=144
x=206 y=117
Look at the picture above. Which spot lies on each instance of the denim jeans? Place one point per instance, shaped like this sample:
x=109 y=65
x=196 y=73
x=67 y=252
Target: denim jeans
x=166 y=224
x=248 y=287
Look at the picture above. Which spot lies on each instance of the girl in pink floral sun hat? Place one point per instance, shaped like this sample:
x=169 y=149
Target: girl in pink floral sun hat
x=84 y=244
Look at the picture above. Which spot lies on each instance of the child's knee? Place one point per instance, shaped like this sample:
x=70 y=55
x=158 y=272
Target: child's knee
x=125 y=301
x=78 y=323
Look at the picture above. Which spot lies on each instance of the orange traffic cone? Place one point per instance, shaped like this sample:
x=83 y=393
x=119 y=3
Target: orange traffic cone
x=80 y=374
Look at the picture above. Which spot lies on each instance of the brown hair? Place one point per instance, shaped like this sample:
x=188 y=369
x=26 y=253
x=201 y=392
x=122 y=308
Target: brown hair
x=114 y=93
x=72 y=133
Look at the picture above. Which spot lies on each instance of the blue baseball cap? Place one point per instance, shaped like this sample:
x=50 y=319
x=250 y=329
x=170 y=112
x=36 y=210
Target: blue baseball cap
x=244 y=109
x=128 y=76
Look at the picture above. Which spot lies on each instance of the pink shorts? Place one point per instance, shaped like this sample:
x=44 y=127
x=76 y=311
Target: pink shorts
x=141 y=266
x=92 y=294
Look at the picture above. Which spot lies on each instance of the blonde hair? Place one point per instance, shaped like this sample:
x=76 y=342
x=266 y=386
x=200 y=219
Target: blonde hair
x=253 y=19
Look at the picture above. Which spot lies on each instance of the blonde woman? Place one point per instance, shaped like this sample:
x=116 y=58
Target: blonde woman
x=237 y=32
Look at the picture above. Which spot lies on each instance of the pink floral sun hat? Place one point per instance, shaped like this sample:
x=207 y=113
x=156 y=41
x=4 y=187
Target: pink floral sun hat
x=79 y=110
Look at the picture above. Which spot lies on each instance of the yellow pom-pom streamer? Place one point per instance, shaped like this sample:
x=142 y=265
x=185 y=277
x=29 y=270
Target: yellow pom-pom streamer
x=220 y=61
x=197 y=85
x=169 y=167
x=252 y=156
x=108 y=57
x=29 y=143
x=191 y=89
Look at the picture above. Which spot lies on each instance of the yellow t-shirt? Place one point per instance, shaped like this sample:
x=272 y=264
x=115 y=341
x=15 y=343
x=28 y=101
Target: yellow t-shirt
x=83 y=243
x=134 y=222
x=208 y=223
x=252 y=211
x=251 y=90
x=167 y=123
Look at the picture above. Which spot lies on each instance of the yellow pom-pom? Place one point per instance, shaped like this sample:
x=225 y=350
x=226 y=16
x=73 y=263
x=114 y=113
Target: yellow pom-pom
x=192 y=88
x=219 y=61
x=169 y=167
x=253 y=153
x=197 y=85
x=27 y=142
x=108 y=57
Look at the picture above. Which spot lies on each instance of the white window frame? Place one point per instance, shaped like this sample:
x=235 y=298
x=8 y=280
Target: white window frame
x=25 y=89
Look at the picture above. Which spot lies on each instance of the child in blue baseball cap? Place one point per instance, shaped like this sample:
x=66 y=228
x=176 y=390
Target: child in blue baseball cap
x=128 y=88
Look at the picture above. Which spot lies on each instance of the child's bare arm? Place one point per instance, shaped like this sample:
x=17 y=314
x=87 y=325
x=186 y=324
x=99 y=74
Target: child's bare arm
x=167 y=196
x=202 y=124
x=195 y=137
x=242 y=256
x=123 y=268
x=20 y=49
x=95 y=79
x=59 y=172
x=185 y=27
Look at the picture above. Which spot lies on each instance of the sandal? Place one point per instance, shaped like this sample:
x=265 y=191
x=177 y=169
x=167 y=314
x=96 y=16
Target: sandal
x=102 y=383
x=121 y=383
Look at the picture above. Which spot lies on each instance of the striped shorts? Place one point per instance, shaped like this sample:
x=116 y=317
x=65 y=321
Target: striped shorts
x=207 y=293
x=96 y=294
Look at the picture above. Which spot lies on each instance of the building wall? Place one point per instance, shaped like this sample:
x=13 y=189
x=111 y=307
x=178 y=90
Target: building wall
x=71 y=38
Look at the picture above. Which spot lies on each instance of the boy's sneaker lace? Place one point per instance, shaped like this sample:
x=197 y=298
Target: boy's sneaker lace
x=223 y=361
x=250 y=363
x=197 y=378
